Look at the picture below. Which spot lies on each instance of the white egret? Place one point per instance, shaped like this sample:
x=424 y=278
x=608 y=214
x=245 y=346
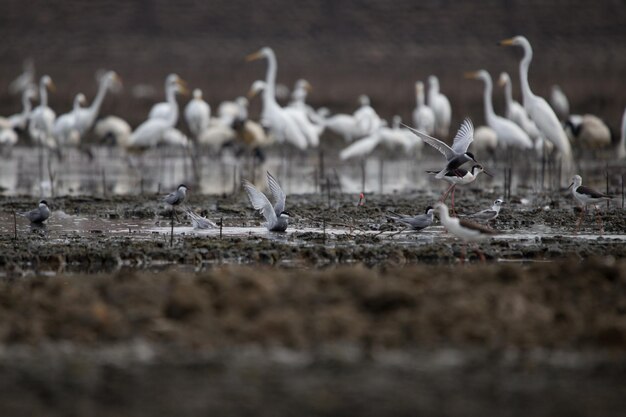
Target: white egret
x=441 y=107
x=197 y=114
x=559 y=102
x=509 y=134
x=282 y=127
x=42 y=117
x=86 y=117
x=165 y=109
x=367 y=119
x=341 y=124
x=393 y=138
x=298 y=102
x=423 y=116
x=515 y=111
x=65 y=129
x=151 y=132
x=538 y=108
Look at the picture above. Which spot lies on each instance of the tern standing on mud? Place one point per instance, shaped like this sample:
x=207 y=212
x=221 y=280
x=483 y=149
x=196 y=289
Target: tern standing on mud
x=276 y=216
x=490 y=214
x=176 y=198
x=415 y=223
x=38 y=215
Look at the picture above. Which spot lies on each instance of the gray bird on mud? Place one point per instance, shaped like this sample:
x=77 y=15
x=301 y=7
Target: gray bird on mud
x=488 y=214
x=276 y=217
x=176 y=198
x=38 y=215
x=415 y=223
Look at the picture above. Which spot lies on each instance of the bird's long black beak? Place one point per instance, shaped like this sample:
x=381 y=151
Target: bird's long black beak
x=487 y=172
x=570 y=186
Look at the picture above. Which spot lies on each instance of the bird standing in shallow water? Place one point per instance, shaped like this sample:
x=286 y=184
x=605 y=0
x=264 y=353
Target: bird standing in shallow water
x=466 y=230
x=415 y=223
x=38 y=215
x=176 y=198
x=276 y=216
x=587 y=196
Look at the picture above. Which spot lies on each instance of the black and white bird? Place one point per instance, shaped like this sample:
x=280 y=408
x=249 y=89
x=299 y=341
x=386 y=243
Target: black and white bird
x=459 y=176
x=415 y=223
x=200 y=222
x=464 y=229
x=456 y=155
x=38 y=215
x=276 y=217
x=489 y=214
x=586 y=196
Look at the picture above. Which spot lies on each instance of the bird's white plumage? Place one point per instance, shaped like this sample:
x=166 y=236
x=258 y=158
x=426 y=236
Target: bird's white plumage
x=509 y=134
x=515 y=111
x=440 y=105
x=281 y=125
x=538 y=109
x=423 y=115
x=86 y=117
x=42 y=118
x=197 y=114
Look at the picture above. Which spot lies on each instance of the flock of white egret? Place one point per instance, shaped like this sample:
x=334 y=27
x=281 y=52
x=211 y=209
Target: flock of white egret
x=534 y=124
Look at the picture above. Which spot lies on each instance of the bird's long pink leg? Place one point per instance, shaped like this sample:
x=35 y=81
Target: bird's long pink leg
x=596 y=213
x=443 y=197
x=580 y=219
x=463 y=250
x=480 y=254
x=453 y=190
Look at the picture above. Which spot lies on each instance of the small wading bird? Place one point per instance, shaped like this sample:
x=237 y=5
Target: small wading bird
x=276 y=216
x=465 y=230
x=456 y=155
x=459 y=176
x=176 y=198
x=587 y=196
x=489 y=214
x=38 y=215
x=414 y=223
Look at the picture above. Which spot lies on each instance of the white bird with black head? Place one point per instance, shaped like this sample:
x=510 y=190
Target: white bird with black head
x=38 y=215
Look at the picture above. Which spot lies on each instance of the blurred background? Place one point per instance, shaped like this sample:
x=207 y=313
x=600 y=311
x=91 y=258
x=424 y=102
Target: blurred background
x=344 y=48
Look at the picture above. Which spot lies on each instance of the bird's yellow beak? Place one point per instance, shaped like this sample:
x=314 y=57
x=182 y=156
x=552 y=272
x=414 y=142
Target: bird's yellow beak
x=501 y=82
x=506 y=42
x=52 y=87
x=471 y=75
x=308 y=87
x=117 y=78
x=254 y=56
x=182 y=85
x=252 y=93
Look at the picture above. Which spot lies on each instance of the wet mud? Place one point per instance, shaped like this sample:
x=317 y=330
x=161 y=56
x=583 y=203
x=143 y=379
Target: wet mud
x=341 y=315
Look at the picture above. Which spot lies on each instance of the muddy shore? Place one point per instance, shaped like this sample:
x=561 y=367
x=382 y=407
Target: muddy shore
x=339 y=316
x=543 y=229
